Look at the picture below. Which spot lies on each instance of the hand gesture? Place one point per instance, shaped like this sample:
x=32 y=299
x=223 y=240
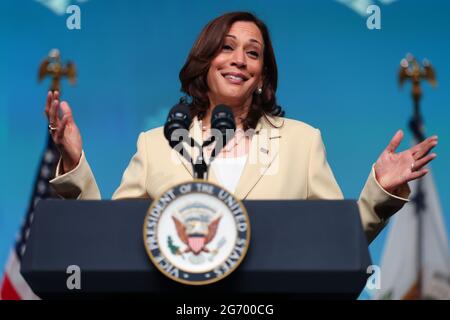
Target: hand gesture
x=394 y=170
x=64 y=131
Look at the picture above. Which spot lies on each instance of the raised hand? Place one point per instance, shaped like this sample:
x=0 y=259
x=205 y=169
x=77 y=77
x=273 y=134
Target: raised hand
x=394 y=170
x=64 y=131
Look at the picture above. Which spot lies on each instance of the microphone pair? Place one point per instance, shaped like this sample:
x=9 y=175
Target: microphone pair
x=176 y=130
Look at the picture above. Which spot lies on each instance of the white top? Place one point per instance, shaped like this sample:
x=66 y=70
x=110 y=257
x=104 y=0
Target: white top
x=228 y=171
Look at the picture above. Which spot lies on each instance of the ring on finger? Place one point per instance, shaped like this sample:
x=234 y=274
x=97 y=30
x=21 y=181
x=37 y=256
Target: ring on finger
x=52 y=128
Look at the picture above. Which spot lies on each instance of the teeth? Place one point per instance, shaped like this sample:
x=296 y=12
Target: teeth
x=229 y=76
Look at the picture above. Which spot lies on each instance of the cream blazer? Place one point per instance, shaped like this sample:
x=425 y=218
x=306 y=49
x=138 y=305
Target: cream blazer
x=287 y=162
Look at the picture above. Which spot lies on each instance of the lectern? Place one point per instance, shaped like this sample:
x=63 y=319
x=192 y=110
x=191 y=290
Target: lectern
x=297 y=249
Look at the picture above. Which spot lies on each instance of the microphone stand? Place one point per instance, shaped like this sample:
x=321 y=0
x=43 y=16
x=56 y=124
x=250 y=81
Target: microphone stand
x=200 y=167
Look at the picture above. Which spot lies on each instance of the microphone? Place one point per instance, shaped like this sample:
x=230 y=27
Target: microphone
x=222 y=119
x=179 y=118
x=223 y=124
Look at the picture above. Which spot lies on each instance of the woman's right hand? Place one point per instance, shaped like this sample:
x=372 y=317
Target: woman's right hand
x=64 y=131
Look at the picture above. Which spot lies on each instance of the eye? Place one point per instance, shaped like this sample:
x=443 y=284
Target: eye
x=227 y=47
x=254 y=54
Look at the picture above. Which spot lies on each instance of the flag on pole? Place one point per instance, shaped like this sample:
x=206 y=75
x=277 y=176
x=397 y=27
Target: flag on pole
x=13 y=286
x=401 y=268
x=416 y=259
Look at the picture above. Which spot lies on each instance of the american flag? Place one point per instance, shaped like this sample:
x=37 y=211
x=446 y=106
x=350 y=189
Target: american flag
x=12 y=285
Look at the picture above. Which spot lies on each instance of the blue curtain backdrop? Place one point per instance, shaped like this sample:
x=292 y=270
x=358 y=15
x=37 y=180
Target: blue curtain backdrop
x=334 y=73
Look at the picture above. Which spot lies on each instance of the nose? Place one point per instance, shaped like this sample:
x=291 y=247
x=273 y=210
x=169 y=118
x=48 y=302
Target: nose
x=238 y=58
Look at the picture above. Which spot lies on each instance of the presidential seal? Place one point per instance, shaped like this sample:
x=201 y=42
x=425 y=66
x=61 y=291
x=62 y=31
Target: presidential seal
x=196 y=233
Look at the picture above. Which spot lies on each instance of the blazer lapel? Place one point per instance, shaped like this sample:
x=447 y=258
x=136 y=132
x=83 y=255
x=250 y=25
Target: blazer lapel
x=263 y=151
x=185 y=163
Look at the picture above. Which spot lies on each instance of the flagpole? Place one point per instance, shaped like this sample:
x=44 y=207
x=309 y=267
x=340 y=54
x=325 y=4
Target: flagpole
x=416 y=126
x=411 y=70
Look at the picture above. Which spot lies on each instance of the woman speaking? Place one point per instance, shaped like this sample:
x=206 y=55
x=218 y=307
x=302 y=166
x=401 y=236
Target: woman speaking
x=270 y=157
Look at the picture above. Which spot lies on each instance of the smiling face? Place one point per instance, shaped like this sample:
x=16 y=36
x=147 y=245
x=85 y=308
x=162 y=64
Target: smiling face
x=236 y=71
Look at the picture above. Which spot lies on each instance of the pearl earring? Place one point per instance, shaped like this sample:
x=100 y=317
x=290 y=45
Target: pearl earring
x=259 y=91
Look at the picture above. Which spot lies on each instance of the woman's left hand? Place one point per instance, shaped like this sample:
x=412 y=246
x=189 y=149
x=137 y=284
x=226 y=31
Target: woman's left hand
x=394 y=170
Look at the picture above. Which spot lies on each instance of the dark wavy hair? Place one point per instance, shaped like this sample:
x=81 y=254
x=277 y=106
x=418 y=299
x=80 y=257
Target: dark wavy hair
x=193 y=75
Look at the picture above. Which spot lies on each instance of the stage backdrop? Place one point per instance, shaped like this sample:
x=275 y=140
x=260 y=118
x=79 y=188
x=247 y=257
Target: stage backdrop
x=334 y=73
